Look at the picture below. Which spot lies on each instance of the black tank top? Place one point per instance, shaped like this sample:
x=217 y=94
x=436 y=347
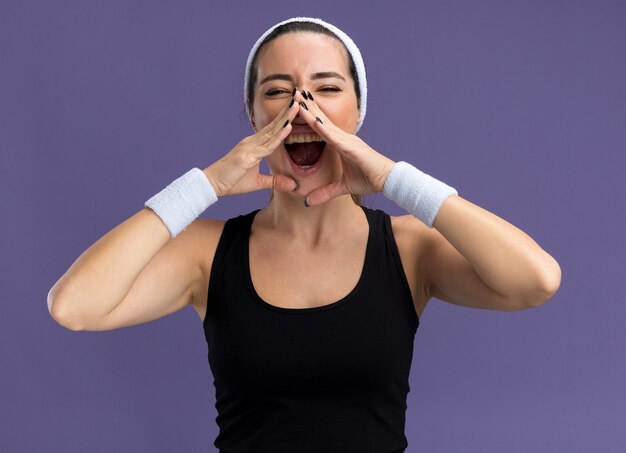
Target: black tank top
x=333 y=378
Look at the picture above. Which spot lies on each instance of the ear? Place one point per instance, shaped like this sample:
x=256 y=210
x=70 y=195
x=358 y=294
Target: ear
x=252 y=122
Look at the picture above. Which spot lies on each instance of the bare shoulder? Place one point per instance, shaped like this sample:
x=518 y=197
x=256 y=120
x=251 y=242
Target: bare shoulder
x=413 y=240
x=412 y=236
x=204 y=240
x=207 y=233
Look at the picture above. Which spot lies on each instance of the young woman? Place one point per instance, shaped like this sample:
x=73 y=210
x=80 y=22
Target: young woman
x=310 y=304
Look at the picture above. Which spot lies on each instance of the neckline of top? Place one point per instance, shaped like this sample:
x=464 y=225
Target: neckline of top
x=355 y=290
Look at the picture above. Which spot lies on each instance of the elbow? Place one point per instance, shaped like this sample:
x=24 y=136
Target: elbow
x=65 y=321
x=62 y=313
x=549 y=284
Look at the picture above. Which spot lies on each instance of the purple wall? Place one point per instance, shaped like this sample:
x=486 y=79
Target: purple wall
x=519 y=105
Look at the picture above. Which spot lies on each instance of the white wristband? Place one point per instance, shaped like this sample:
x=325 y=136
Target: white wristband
x=417 y=192
x=183 y=200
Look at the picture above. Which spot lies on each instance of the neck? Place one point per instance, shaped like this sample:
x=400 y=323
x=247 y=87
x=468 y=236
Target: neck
x=287 y=215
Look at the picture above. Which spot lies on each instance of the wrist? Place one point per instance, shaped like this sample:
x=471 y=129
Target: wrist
x=419 y=193
x=389 y=166
x=183 y=200
x=208 y=172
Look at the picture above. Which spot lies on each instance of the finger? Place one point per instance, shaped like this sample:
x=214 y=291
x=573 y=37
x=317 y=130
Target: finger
x=322 y=194
x=311 y=107
x=270 y=146
x=314 y=108
x=281 y=183
x=277 y=123
x=275 y=137
x=281 y=121
x=318 y=121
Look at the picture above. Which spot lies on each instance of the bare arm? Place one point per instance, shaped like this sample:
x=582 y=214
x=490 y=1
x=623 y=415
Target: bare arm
x=479 y=260
x=103 y=275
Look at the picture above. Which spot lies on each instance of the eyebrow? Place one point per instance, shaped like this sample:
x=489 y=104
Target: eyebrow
x=314 y=76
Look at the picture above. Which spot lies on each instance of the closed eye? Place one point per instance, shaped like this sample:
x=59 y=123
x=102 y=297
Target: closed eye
x=274 y=92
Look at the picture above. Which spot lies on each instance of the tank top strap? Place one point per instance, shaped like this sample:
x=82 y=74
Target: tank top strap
x=226 y=270
x=388 y=266
x=231 y=241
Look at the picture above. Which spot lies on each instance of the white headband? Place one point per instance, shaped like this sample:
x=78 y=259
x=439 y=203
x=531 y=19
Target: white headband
x=351 y=46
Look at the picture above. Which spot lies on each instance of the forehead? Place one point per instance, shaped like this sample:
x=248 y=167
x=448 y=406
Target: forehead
x=302 y=50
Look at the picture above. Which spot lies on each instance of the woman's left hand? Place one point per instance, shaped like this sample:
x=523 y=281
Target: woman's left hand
x=364 y=169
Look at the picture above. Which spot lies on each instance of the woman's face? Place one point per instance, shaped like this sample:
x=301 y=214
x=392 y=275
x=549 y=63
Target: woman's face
x=299 y=56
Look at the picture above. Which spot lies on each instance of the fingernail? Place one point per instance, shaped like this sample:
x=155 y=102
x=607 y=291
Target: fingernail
x=297 y=185
x=293 y=93
x=286 y=122
x=292 y=101
x=304 y=94
x=317 y=118
x=306 y=203
x=310 y=97
x=304 y=105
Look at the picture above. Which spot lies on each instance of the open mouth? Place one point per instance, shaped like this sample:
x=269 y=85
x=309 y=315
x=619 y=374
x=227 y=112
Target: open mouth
x=305 y=150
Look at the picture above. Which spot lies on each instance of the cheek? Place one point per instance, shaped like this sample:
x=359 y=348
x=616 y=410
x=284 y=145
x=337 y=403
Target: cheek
x=333 y=111
x=265 y=114
x=343 y=115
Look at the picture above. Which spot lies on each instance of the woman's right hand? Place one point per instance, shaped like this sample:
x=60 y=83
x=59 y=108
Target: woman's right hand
x=238 y=171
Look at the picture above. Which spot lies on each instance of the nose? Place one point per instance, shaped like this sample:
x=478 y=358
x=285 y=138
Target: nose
x=303 y=90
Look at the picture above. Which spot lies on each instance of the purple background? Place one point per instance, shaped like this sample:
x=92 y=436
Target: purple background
x=520 y=105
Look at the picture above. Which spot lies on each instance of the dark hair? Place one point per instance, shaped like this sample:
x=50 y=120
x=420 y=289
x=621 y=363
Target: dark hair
x=292 y=27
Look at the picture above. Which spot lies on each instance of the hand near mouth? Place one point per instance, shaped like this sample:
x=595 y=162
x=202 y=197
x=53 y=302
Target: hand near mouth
x=237 y=172
x=364 y=169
